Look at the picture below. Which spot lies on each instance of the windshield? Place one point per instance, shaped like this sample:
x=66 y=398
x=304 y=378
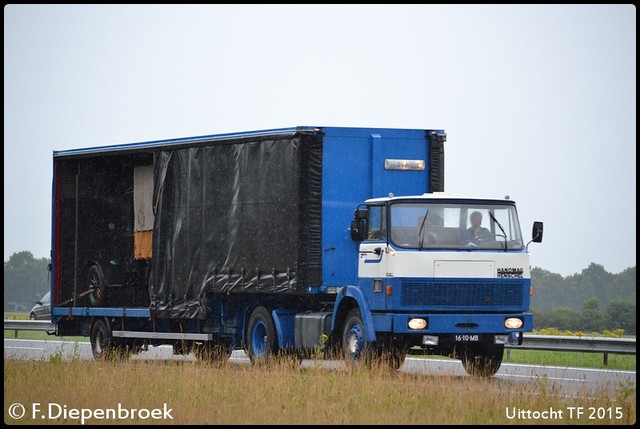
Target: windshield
x=454 y=226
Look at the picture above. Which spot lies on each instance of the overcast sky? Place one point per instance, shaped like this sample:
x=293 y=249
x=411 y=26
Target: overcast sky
x=538 y=101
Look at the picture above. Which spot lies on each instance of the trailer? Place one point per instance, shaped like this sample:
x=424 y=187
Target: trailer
x=285 y=242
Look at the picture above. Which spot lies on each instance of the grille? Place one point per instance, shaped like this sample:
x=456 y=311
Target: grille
x=463 y=293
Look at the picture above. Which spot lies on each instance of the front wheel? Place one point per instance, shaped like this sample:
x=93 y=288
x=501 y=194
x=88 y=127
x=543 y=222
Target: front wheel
x=261 y=336
x=355 y=347
x=482 y=361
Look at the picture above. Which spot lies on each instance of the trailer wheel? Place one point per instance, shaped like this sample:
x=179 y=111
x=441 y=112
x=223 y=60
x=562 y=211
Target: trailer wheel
x=482 y=361
x=261 y=336
x=355 y=347
x=104 y=346
x=101 y=340
x=97 y=287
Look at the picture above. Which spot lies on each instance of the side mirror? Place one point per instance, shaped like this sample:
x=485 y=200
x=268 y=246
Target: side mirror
x=358 y=229
x=536 y=234
x=361 y=213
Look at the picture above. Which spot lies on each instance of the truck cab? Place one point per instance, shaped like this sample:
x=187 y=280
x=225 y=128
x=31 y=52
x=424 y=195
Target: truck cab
x=431 y=282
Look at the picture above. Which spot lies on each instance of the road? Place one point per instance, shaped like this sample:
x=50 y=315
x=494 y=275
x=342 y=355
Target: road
x=566 y=381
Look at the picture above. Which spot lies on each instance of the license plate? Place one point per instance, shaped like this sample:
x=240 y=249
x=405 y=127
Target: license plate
x=466 y=338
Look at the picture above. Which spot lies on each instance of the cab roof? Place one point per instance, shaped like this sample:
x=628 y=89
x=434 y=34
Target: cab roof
x=442 y=196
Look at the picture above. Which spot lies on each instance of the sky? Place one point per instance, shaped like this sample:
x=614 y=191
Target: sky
x=538 y=101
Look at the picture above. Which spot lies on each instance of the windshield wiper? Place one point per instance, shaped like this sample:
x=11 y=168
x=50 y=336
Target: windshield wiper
x=504 y=234
x=421 y=230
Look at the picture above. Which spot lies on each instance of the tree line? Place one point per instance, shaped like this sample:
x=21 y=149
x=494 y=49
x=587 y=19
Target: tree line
x=591 y=301
x=26 y=280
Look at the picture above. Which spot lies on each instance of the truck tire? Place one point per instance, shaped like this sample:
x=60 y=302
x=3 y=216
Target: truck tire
x=261 y=337
x=97 y=286
x=104 y=346
x=101 y=341
x=355 y=347
x=482 y=361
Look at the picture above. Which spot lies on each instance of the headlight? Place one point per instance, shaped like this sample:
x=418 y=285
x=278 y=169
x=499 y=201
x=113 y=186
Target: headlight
x=417 y=323
x=513 y=323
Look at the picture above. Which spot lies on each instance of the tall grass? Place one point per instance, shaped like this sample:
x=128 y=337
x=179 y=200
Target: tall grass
x=534 y=357
x=284 y=393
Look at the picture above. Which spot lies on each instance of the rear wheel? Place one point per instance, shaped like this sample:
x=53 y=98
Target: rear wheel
x=261 y=336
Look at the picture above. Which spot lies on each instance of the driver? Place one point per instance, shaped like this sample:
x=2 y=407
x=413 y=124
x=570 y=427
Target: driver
x=476 y=232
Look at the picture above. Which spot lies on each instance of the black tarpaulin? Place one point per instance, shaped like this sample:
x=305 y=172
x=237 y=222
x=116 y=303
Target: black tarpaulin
x=235 y=217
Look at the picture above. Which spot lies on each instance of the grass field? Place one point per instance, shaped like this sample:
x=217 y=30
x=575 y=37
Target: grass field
x=280 y=393
x=196 y=392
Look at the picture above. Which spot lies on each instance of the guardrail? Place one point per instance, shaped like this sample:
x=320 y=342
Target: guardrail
x=564 y=343
x=568 y=343
x=29 y=325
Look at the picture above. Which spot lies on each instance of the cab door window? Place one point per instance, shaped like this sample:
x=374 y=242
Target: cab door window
x=377 y=224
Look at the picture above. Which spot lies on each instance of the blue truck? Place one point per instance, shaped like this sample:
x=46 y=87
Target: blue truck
x=285 y=242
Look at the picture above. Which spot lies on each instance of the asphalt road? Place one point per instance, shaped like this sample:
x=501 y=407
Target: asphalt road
x=576 y=382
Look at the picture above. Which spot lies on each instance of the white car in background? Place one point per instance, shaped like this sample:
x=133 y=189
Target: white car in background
x=42 y=309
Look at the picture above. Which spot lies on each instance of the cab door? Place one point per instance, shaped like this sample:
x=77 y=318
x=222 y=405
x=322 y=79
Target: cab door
x=372 y=260
x=372 y=257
